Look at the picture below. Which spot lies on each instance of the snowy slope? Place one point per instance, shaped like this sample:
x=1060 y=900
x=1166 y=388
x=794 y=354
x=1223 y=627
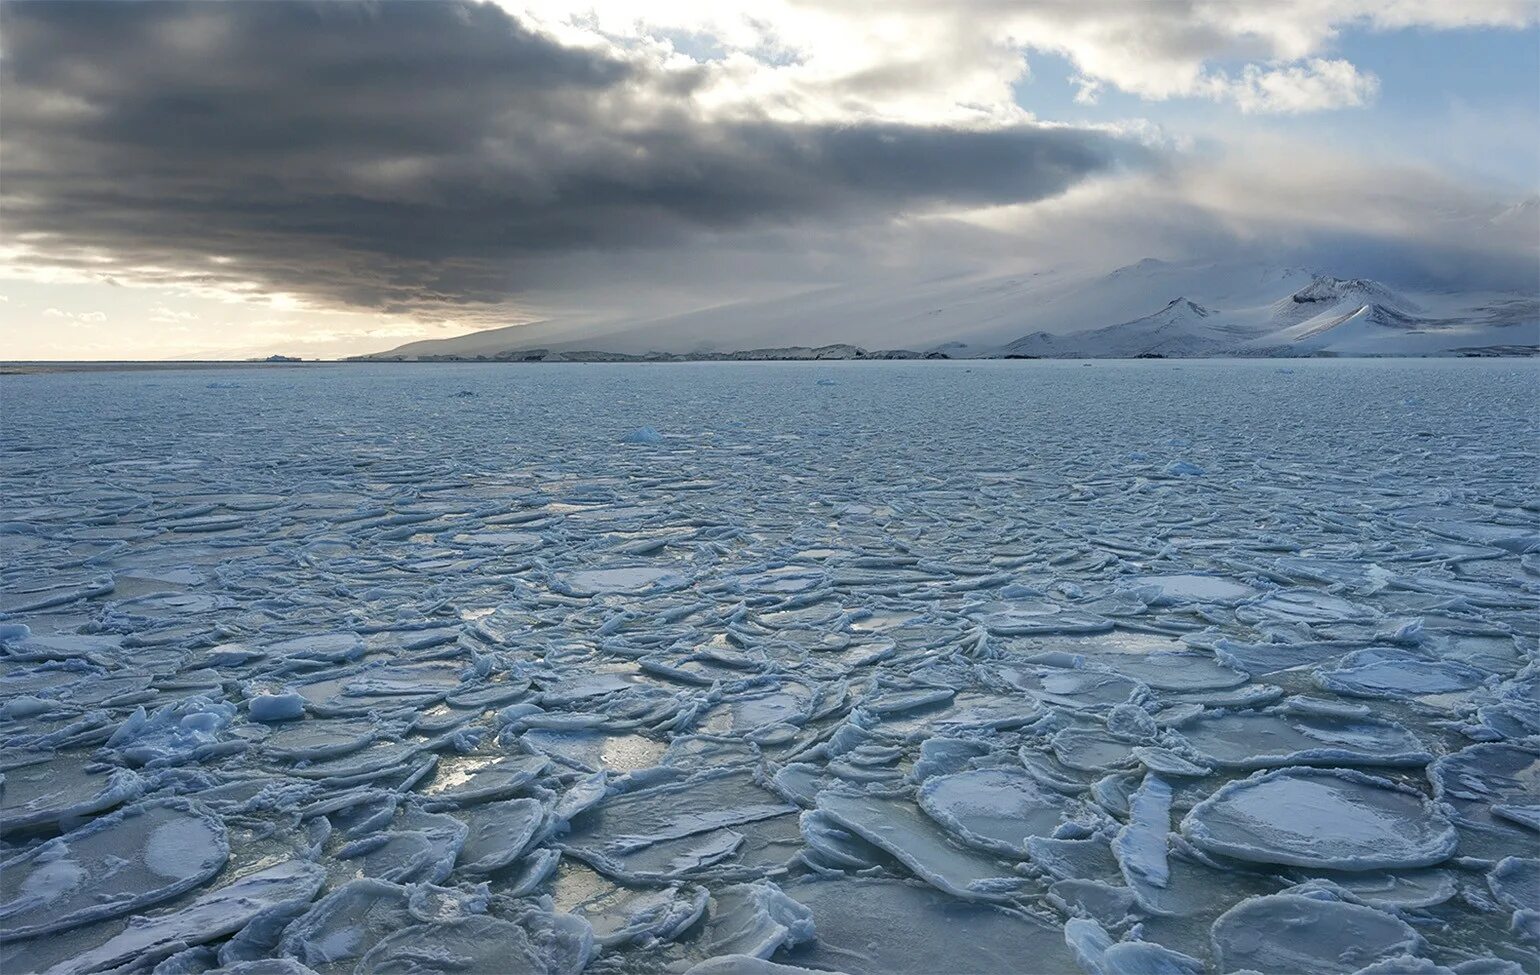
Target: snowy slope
x=1182 y=329
x=1149 y=308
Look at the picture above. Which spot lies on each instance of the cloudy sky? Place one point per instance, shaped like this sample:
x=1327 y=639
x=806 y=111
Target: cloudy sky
x=225 y=179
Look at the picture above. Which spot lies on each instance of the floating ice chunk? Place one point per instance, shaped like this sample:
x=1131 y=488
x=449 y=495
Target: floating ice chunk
x=915 y=841
x=409 y=855
x=701 y=751
x=869 y=926
x=755 y=919
x=1140 y=846
x=118 y=864
x=484 y=781
x=621 y=916
x=283 y=888
x=703 y=803
x=373 y=761
x=481 y=944
x=188 y=730
x=621 y=579
x=665 y=861
x=1184 y=468
x=1273 y=739
x=994 y=809
x=1262 y=659
x=1090 y=749
x=1037 y=619
x=322 y=648
x=1293 y=933
x=896 y=702
x=830 y=844
x=1305 y=606
x=56 y=790
x=1175 y=671
x=1131 y=723
x=1391 y=890
x=499 y=834
x=1178 y=589
x=1379 y=672
x=346 y=923
x=276 y=707
x=1329 y=818
x=1078 y=689
x=532 y=874
x=591 y=751
x=1479 y=779
x=1093 y=898
x=314 y=740
x=1164 y=761
x=1098 y=954
x=1516 y=881
x=644 y=436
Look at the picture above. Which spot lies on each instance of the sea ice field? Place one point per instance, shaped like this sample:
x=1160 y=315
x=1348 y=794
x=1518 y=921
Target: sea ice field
x=1124 y=668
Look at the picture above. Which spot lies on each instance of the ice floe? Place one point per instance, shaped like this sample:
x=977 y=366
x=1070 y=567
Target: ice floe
x=1331 y=818
x=951 y=672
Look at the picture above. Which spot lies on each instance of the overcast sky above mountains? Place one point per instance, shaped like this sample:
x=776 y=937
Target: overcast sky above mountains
x=323 y=179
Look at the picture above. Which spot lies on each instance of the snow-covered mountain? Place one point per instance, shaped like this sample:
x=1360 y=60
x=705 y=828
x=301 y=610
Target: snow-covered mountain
x=1182 y=329
x=1146 y=309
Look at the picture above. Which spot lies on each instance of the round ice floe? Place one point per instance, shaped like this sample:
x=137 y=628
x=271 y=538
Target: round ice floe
x=499 y=832
x=275 y=892
x=318 y=739
x=1027 y=618
x=477 y=779
x=1193 y=589
x=1294 y=933
x=1305 y=606
x=473 y=944
x=1477 y=779
x=994 y=808
x=505 y=541
x=620 y=579
x=53 y=792
x=621 y=915
x=1390 y=890
x=1090 y=749
x=1380 y=672
x=328 y=647
x=1079 y=689
x=1329 y=818
x=1189 y=671
x=1515 y=881
x=1270 y=739
x=870 y=926
x=117 y=865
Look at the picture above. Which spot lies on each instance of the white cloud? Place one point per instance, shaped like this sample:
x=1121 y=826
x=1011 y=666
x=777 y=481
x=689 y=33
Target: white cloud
x=958 y=62
x=83 y=317
x=1311 y=86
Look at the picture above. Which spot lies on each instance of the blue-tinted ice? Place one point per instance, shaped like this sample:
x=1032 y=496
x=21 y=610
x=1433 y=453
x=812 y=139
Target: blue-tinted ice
x=968 y=667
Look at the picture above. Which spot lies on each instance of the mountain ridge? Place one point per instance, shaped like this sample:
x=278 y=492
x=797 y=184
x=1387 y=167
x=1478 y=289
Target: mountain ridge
x=1240 y=309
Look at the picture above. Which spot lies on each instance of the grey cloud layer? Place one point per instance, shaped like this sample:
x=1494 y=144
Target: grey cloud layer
x=399 y=155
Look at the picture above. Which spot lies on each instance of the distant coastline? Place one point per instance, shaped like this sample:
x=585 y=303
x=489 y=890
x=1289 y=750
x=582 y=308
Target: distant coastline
x=797 y=354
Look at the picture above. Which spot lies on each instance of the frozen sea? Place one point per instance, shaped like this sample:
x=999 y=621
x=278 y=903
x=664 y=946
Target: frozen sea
x=963 y=667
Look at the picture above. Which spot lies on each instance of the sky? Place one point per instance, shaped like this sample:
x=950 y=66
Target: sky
x=230 y=179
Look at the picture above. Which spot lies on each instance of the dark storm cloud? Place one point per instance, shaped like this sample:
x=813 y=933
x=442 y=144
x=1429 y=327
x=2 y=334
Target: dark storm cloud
x=400 y=154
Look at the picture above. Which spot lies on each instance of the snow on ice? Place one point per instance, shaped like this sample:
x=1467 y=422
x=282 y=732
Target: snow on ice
x=955 y=667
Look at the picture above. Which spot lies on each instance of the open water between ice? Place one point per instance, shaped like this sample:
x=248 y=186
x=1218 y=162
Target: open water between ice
x=991 y=667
